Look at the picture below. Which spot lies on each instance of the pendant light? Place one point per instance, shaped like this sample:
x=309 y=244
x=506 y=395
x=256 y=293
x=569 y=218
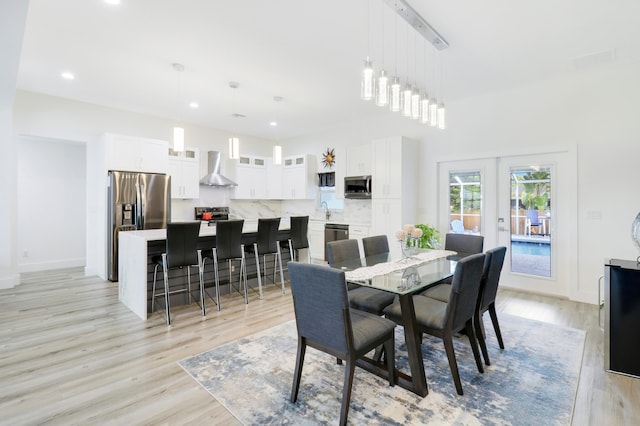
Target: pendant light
x=424 y=100
x=382 y=85
x=368 y=82
x=277 y=149
x=415 y=97
x=394 y=95
x=178 y=139
x=441 y=110
x=433 y=102
x=407 y=92
x=178 y=132
x=234 y=142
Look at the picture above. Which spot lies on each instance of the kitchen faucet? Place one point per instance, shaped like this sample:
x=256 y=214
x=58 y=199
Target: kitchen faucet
x=327 y=212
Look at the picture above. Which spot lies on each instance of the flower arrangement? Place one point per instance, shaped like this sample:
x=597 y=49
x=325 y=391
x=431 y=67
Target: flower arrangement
x=422 y=236
x=409 y=234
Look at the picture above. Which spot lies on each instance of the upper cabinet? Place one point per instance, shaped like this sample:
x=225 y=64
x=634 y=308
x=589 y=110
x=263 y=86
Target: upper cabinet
x=133 y=154
x=395 y=166
x=359 y=160
x=250 y=173
x=298 y=177
x=184 y=169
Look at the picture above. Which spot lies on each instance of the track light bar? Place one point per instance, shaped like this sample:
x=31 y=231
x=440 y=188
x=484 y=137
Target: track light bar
x=414 y=19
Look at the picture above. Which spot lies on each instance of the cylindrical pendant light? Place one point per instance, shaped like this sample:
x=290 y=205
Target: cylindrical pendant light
x=368 y=85
x=178 y=139
x=415 y=105
x=394 y=98
x=441 y=113
x=424 y=109
x=277 y=154
x=406 y=100
x=433 y=112
x=382 y=89
x=234 y=148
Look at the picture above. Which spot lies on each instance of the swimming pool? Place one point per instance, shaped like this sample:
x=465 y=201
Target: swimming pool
x=536 y=249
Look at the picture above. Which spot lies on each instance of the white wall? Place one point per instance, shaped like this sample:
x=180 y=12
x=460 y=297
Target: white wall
x=51 y=204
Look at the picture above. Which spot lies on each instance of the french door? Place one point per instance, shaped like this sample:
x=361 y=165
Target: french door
x=528 y=204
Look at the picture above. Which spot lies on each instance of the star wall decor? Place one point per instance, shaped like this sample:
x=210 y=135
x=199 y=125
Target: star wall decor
x=328 y=158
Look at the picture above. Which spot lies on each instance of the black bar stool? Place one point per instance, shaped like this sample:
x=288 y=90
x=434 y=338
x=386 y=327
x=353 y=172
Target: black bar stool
x=267 y=243
x=228 y=248
x=182 y=250
x=299 y=236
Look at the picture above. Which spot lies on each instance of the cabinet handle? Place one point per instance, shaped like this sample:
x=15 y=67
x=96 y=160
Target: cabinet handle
x=600 y=303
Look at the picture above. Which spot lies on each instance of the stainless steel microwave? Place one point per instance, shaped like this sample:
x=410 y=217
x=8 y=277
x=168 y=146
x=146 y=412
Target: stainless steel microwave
x=357 y=187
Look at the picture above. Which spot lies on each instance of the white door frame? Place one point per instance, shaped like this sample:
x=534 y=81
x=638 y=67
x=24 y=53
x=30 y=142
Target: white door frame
x=564 y=225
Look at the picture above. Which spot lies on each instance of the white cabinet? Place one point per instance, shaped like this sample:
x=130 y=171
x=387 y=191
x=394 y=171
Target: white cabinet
x=359 y=160
x=315 y=233
x=298 y=177
x=395 y=187
x=250 y=173
x=274 y=181
x=133 y=154
x=184 y=169
x=358 y=232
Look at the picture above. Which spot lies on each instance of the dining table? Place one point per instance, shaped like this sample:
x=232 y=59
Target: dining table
x=405 y=276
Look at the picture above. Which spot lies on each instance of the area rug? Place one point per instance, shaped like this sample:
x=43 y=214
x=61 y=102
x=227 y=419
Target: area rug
x=533 y=381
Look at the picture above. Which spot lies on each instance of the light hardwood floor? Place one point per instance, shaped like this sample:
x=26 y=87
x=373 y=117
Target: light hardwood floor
x=72 y=354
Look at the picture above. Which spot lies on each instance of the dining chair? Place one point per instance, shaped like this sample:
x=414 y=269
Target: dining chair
x=443 y=319
x=267 y=243
x=181 y=251
x=363 y=298
x=463 y=244
x=375 y=246
x=229 y=248
x=493 y=262
x=321 y=293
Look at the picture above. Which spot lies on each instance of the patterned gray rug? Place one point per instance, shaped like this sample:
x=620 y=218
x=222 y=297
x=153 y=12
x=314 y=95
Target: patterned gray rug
x=533 y=381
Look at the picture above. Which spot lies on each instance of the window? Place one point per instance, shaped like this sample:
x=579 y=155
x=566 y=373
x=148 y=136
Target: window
x=465 y=200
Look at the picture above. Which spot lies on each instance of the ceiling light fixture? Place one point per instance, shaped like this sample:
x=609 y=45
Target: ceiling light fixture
x=67 y=75
x=277 y=149
x=194 y=105
x=234 y=142
x=367 y=85
x=178 y=132
x=411 y=100
x=115 y=2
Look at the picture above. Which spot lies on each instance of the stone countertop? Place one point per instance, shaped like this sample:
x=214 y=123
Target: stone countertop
x=205 y=231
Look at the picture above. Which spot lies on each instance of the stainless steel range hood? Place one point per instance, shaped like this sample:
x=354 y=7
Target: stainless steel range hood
x=213 y=177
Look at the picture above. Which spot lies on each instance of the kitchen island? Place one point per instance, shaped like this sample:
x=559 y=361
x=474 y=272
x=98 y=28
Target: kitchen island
x=135 y=268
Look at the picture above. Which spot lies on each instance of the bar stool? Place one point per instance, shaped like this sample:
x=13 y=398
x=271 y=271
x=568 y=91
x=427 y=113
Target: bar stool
x=298 y=237
x=228 y=248
x=267 y=243
x=181 y=250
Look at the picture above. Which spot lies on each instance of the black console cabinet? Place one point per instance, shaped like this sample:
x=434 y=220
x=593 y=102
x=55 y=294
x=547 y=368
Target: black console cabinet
x=622 y=317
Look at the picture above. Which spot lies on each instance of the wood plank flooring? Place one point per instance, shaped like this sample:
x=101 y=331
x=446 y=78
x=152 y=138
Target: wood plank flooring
x=72 y=354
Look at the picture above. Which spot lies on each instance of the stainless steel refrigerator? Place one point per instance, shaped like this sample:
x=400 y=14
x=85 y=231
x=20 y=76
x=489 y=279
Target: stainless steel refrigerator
x=136 y=201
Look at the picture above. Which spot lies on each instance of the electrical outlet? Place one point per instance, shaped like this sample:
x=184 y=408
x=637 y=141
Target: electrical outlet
x=233 y=268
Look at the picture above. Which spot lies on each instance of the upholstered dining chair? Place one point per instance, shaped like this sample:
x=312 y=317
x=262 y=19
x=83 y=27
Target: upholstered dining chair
x=493 y=262
x=376 y=245
x=321 y=292
x=229 y=248
x=442 y=319
x=463 y=244
x=267 y=244
x=363 y=298
x=181 y=251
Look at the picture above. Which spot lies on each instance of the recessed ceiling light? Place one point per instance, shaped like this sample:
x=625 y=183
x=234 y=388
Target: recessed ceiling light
x=273 y=123
x=194 y=105
x=112 y=1
x=67 y=75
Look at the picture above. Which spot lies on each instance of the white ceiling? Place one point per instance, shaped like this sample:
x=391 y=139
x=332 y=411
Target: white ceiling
x=308 y=52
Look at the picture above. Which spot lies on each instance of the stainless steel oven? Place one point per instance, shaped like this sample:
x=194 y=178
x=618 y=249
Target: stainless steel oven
x=334 y=232
x=211 y=214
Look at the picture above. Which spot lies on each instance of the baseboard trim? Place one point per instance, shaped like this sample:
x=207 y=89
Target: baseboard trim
x=50 y=265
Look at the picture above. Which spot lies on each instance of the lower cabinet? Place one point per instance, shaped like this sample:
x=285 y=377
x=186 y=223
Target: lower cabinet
x=316 y=240
x=358 y=232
